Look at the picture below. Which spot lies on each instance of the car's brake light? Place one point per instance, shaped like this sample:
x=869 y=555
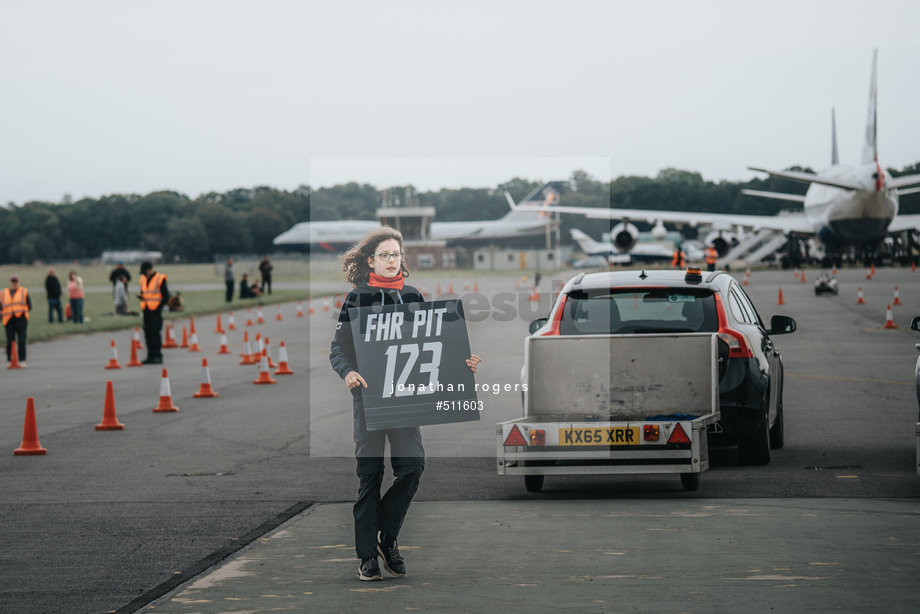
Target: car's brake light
x=737 y=345
x=557 y=319
x=650 y=432
x=537 y=437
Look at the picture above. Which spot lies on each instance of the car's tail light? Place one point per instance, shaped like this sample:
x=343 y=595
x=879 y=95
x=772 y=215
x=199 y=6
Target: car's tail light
x=650 y=432
x=537 y=437
x=737 y=345
x=557 y=319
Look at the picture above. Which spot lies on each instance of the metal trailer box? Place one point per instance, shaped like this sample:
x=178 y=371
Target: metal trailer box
x=613 y=384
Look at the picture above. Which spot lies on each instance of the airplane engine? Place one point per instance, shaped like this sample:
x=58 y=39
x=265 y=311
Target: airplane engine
x=722 y=240
x=624 y=236
x=659 y=232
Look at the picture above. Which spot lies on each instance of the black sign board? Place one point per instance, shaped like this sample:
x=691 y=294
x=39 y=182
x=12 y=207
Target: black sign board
x=413 y=358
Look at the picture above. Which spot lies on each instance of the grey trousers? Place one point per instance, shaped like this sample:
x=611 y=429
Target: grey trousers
x=375 y=513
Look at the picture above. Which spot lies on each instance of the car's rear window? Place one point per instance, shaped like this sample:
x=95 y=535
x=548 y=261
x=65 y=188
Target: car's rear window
x=626 y=311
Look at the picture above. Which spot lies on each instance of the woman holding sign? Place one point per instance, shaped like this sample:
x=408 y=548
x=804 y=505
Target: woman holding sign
x=375 y=267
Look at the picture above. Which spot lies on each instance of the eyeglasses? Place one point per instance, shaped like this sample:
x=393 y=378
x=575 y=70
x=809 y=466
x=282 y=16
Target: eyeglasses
x=387 y=257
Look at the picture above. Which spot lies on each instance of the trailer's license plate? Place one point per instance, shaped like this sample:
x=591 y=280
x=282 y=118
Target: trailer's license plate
x=607 y=436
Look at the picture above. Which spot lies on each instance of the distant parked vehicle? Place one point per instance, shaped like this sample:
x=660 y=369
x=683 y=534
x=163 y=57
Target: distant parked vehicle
x=825 y=284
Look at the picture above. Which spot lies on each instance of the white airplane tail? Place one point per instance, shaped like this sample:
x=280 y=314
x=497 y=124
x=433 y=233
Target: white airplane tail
x=870 y=151
x=546 y=195
x=586 y=243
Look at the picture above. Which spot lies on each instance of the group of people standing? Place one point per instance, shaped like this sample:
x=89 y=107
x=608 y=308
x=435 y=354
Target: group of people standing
x=75 y=295
x=248 y=290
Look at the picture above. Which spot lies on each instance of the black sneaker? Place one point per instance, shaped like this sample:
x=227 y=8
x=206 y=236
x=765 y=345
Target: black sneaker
x=369 y=570
x=392 y=560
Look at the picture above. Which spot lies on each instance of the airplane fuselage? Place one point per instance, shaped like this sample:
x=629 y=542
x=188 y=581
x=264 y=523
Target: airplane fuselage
x=846 y=217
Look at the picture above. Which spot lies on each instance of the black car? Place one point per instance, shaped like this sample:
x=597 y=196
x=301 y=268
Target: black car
x=649 y=302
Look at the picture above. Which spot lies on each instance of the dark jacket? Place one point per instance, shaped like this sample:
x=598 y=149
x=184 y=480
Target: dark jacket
x=115 y=274
x=266 y=269
x=52 y=287
x=342 y=355
x=245 y=289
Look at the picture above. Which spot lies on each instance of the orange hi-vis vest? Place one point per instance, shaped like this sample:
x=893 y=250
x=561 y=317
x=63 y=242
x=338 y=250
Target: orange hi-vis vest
x=15 y=304
x=151 y=297
x=678 y=259
x=712 y=256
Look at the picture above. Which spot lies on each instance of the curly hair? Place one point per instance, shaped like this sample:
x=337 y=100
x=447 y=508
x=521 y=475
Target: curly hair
x=354 y=261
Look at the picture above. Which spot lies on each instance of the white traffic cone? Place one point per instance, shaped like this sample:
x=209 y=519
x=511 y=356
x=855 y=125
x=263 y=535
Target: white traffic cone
x=231 y=323
x=268 y=353
x=897 y=297
x=859 y=298
x=299 y=309
x=137 y=337
x=260 y=319
x=265 y=377
x=889 y=319
x=166 y=403
x=113 y=358
x=278 y=317
x=223 y=345
x=283 y=368
x=326 y=304
x=205 y=391
x=193 y=343
x=247 y=350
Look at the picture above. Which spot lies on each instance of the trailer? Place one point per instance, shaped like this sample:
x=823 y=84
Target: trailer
x=604 y=404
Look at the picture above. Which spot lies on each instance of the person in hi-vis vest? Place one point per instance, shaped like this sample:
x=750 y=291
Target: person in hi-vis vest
x=16 y=304
x=678 y=260
x=712 y=256
x=153 y=296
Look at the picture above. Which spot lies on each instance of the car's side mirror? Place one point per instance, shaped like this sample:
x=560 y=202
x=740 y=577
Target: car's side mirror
x=781 y=325
x=537 y=325
x=915 y=323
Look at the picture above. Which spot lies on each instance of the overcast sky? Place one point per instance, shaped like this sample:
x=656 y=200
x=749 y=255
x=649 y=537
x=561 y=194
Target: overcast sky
x=100 y=98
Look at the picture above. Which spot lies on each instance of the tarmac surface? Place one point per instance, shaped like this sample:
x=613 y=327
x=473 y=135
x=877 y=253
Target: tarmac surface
x=112 y=521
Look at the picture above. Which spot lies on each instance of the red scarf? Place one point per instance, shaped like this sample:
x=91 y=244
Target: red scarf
x=393 y=283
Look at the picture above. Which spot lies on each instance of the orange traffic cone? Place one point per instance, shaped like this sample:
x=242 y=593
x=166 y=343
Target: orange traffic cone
x=246 y=355
x=780 y=301
x=220 y=329
x=299 y=309
x=439 y=289
x=166 y=403
x=283 y=368
x=264 y=376
x=913 y=267
x=134 y=361
x=889 y=319
x=184 y=338
x=450 y=288
x=109 y=420
x=231 y=323
x=338 y=301
x=326 y=303
x=194 y=343
x=249 y=317
x=873 y=270
x=897 y=297
x=14 y=358
x=834 y=271
x=268 y=353
x=466 y=284
x=170 y=342
x=796 y=272
x=137 y=338
x=278 y=317
x=113 y=358
x=868 y=274
x=311 y=311
x=191 y=326
x=223 y=346
x=30 y=445
x=259 y=346
x=802 y=276
x=205 y=391
x=260 y=319
x=424 y=290
x=859 y=298
x=475 y=286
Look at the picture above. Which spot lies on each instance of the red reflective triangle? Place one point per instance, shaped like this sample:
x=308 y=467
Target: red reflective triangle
x=515 y=438
x=678 y=435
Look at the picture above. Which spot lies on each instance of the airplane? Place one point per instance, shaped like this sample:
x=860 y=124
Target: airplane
x=641 y=252
x=844 y=205
x=523 y=220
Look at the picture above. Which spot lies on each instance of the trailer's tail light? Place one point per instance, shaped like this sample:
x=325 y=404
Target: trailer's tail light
x=515 y=438
x=650 y=432
x=737 y=345
x=557 y=319
x=678 y=435
x=537 y=437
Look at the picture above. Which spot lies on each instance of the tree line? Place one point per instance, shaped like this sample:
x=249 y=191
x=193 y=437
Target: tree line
x=246 y=220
